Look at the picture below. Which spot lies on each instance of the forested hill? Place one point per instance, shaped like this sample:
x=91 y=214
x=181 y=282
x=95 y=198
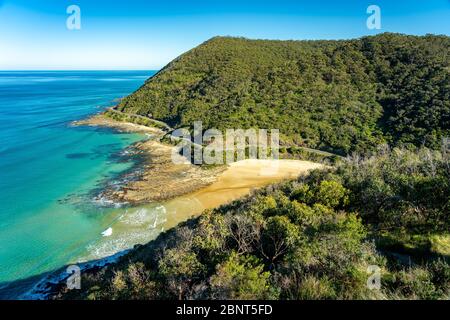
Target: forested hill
x=341 y=96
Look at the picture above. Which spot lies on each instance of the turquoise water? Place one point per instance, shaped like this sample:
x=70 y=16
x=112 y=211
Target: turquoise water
x=50 y=170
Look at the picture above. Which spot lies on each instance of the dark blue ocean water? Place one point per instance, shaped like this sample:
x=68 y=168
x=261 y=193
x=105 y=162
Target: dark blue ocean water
x=48 y=168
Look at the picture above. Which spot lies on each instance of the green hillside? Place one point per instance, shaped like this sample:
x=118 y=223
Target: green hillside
x=340 y=96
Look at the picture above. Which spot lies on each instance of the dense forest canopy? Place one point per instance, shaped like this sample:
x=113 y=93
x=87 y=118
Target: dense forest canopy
x=341 y=96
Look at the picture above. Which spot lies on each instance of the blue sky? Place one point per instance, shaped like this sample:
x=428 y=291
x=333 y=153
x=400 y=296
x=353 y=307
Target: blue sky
x=138 y=34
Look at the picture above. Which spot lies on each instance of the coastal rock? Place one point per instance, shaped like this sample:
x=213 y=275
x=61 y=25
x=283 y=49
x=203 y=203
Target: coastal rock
x=157 y=177
x=161 y=178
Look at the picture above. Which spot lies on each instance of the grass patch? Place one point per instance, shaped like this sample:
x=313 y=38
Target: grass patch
x=440 y=244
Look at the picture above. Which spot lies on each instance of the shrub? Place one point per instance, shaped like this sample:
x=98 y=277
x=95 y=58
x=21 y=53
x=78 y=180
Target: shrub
x=240 y=277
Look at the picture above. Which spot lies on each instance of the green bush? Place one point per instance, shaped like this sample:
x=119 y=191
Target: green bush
x=241 y=278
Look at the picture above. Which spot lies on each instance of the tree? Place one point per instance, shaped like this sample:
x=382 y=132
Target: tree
x=244 y=231
x=331 y=194
x=180 y=269
x=240 y=277
x=278 y=236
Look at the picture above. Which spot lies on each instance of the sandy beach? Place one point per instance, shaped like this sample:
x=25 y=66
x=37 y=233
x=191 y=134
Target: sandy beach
x=165 y=193
x=186 y=188
x=241 y=177
x=99 y=120
x=236 y=181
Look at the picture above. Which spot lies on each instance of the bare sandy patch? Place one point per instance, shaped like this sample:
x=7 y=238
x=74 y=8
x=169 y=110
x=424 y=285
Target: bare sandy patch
x=101 y=120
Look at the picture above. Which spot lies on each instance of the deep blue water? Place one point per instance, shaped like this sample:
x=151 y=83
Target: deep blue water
x=49 y=169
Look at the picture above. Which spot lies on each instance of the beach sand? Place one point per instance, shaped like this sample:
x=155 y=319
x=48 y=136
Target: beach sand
x=189 y=188
x=235 y=182
x=143 y=223
x=100 y=120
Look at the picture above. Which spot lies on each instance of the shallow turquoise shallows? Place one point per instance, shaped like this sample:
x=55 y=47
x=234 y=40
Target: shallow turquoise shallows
x=50 y=170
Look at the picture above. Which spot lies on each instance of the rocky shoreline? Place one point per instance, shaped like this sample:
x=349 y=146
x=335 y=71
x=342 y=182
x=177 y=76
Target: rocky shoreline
x=157 y=177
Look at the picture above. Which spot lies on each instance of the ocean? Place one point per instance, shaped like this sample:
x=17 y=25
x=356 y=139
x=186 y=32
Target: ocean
x=50 y=170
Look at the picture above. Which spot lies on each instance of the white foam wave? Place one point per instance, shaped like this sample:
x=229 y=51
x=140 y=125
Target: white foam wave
x=108 y=232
